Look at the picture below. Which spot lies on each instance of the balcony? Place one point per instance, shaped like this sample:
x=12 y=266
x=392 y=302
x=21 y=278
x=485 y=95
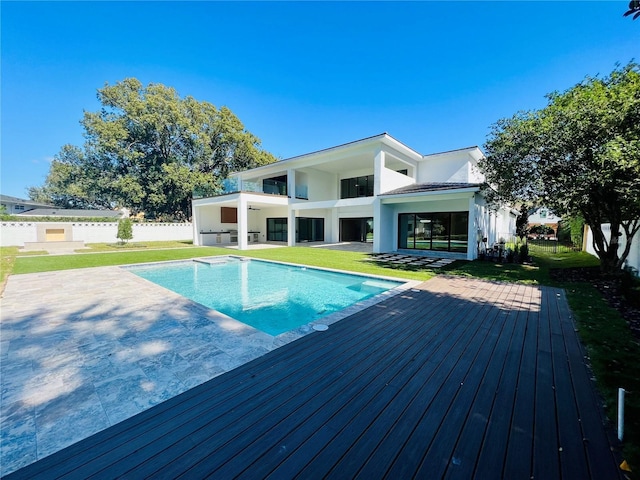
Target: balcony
x=268 y=186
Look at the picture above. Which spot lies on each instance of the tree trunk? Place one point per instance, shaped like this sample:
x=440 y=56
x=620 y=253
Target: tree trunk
x=607 y=251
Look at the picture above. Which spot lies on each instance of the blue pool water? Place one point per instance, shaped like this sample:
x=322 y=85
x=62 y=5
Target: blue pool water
x=271 y=297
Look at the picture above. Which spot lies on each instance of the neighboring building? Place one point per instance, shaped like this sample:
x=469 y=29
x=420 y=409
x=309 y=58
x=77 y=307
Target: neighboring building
x=17 y=206
x=27 y=208
x=372 y=190
x=544 y=216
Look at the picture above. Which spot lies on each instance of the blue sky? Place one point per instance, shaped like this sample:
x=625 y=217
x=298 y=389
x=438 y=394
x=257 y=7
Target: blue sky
x=301 y=76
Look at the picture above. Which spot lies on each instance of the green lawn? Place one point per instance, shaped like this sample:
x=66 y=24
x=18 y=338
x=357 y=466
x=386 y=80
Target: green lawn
x=320 y=257
x=614 y=355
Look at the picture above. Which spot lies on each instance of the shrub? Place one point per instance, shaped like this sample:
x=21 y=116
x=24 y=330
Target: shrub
x=542 y=230
x=577 y=230
x=125 y=230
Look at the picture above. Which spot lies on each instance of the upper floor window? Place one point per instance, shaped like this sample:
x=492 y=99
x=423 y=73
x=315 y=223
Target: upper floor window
x=356 y=187
x=275 y=185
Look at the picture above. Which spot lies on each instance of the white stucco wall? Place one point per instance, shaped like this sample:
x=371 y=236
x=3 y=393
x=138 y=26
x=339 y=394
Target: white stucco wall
x=321 y=185
x=391 y=180
x=16 y=233
x=450 y=167
x=633 y=260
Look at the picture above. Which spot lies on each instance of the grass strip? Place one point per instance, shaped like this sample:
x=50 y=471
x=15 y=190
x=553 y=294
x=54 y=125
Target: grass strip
x=319 y=257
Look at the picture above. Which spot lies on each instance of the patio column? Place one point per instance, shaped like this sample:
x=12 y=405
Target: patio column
x=378 y=163
x=195 y=223
x=291 y=228
x=243 y=219
x=472 y=230
x=377 y=223
x=334 y=226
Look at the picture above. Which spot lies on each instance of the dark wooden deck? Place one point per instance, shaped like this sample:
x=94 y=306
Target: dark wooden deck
x=458 y=379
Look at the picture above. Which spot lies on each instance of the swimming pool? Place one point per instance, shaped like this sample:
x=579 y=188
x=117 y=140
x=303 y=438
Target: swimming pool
x=271 y=297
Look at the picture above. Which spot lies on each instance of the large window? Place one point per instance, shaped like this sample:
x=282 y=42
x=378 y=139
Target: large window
x=275 y=185
x=356 y=187
x=447 y=231
x=309 y=229
x=276 y=229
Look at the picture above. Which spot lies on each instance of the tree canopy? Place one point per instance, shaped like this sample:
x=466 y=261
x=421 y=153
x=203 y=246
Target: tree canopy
x=634 y=9
x=579 y=156
x=148 y=149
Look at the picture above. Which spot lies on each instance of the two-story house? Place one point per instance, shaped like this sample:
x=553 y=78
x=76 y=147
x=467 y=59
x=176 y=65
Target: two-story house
x=372 y=190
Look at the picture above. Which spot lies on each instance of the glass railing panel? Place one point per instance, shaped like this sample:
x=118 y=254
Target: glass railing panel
x=230 y=185
x=302 y=191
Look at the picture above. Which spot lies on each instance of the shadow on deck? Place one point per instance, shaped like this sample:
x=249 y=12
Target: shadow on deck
x=459 y=378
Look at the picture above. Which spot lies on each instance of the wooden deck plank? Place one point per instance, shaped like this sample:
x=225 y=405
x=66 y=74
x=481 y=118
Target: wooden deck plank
x=439 y=456
x=573 y=458
x=354 y=419
x=411 y=408
x=450 y=380
x=545 y=432
x=377 y=431
x=402 y=451
x=493 y=451
x=309 y=411
x=519 y=456
x=469 y=443
x=598 y=435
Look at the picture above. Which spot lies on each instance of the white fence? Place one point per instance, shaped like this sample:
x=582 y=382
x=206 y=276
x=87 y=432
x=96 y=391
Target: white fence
x=633 y=260
x=15 y=234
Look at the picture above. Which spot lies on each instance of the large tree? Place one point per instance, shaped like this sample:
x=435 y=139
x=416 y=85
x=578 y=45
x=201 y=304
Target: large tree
x=147 y=149
x=579 y=155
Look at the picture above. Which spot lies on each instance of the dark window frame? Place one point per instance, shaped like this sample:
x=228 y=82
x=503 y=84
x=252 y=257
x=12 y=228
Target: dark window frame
x=277 y=234
x=357 y=187
x=316 y=225
x=428 y=235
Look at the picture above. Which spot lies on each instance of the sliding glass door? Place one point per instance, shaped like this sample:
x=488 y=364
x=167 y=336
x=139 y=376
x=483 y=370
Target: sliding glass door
x=276 y=229
x=309 y=229
x=446 y=231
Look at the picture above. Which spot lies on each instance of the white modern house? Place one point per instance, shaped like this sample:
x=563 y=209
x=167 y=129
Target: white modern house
x=371 y=190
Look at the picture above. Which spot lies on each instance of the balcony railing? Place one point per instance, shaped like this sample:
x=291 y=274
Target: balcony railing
x=302 y=192
x=231 y=185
